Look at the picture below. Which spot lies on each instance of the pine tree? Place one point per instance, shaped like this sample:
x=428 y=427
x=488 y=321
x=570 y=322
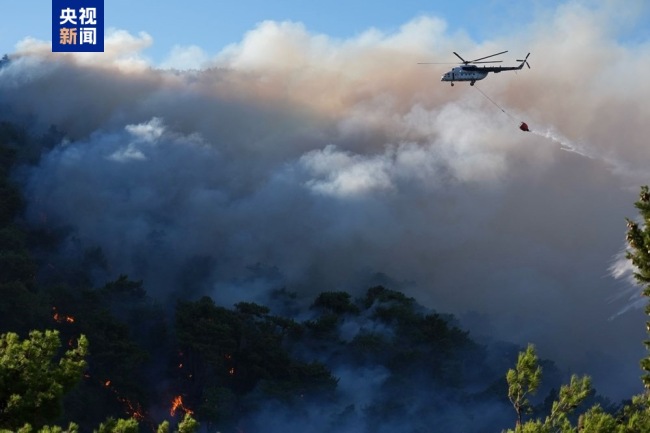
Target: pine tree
x=523 y=380
x=633 y=417
x=638 y=238
x=34 y=378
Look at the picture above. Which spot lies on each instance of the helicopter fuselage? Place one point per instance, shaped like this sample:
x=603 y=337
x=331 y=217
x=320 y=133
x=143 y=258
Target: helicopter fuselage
x=465 y=73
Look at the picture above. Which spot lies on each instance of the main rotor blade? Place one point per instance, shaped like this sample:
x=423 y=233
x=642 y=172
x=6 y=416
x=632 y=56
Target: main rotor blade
x=437 y=63
x=463 y=60
x=490 y=61
x=486 y=57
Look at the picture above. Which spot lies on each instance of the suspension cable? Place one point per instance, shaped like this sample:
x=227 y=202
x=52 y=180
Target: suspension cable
x=495 y=104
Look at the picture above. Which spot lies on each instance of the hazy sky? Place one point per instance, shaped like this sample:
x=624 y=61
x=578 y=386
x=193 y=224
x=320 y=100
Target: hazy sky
x=318 y=147
x=212 y=25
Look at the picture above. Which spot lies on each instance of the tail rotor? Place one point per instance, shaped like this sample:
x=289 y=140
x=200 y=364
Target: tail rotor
x=524 y=61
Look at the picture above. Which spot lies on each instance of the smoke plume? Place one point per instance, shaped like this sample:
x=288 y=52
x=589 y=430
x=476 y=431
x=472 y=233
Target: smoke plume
x=296 y=159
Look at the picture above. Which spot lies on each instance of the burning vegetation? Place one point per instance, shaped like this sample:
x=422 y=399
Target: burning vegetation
x=132 y=409
x=61 y=318
x=177 y=404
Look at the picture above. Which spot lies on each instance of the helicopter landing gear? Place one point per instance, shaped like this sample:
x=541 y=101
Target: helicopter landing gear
x=452 y=84
x=471 y=83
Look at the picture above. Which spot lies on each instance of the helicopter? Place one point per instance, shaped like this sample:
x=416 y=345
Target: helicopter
x=472 y=73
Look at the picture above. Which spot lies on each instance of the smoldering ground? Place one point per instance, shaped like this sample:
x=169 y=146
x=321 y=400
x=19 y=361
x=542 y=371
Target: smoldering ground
x=328 y=161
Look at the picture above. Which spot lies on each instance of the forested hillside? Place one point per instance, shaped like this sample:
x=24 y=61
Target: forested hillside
x=374 y=363
x=367 y=363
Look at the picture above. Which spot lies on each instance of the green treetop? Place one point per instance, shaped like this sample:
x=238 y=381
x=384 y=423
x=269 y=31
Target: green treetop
x=32 y=382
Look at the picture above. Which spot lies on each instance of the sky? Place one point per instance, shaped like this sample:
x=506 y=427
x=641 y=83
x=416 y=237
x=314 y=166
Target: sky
x=213 y=25
x=231 y=149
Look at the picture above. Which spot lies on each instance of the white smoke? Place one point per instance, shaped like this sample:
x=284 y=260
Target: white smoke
x=623 y=269
x=331 y=160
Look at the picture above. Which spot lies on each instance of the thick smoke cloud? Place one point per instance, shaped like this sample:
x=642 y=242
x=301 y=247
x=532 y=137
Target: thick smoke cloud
x=299 y=160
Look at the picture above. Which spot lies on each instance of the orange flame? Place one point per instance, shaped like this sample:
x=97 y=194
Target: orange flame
x=177 y=403
x=133 y=409
x=60 y=318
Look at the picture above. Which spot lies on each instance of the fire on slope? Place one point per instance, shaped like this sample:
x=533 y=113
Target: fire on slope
x=61 y=318
x=177 y=404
